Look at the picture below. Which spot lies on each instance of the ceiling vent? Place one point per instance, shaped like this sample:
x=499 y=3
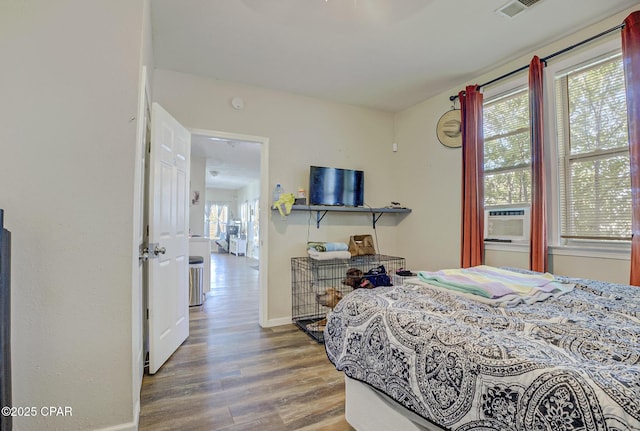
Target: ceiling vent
x=514 y=7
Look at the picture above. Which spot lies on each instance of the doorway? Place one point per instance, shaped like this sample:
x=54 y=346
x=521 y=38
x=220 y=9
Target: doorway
x=231 y=172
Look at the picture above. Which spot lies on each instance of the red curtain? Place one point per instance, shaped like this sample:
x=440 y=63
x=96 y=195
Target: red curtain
x=538 y=250
x=631 y=61
x=472 y=247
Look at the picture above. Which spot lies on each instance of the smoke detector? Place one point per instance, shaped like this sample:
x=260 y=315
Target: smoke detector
x=515 y=7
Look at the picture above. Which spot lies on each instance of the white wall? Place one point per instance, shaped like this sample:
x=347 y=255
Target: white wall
x=69 y=85
x=248 y=193
x=227 y=196
x=138 y=303
x=430 y=175
x=302 y=131
x=197 y=183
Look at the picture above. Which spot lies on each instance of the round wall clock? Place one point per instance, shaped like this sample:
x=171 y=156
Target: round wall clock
x=448 y=129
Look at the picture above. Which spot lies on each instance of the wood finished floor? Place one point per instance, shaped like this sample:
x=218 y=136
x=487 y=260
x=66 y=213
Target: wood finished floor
x=232 y=375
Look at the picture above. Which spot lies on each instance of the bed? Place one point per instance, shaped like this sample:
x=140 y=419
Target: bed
x=419 y=357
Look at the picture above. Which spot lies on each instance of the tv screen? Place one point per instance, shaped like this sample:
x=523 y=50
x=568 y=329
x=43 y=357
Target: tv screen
x=334 y=186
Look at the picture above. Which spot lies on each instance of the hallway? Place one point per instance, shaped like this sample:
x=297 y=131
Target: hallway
x=231 y=374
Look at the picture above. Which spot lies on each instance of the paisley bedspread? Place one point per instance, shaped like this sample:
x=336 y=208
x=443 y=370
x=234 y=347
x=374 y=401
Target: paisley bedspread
x=569 y=363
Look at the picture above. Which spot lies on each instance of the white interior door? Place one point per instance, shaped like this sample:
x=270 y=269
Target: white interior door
x=168 y=236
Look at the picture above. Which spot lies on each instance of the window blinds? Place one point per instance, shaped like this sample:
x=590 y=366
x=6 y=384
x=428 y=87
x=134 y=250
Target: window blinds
x=507 y=149
x=594 y=152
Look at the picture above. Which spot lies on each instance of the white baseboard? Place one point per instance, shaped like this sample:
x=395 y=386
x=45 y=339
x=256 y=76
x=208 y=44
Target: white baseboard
x=277 y=322
x=129 y=426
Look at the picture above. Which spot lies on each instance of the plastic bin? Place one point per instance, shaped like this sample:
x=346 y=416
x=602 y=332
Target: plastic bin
x=196 y=268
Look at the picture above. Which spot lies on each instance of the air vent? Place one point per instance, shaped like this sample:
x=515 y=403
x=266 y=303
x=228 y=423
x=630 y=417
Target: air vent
x=528 y=3
x=514 y=7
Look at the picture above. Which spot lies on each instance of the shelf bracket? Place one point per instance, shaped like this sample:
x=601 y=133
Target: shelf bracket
x=374 y=219
x=320 y=217
x=322 y=210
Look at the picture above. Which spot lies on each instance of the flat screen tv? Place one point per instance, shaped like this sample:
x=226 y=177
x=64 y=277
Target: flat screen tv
x=335 y=186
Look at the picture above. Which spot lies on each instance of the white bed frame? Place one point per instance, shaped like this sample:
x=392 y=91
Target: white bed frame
x=366 y=409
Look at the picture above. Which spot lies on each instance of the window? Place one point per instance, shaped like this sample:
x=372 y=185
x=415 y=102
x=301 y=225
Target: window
x=218 y=217
x=593 y=191
x=256 y=222
x=244 y=218
x=593 y=149
x=507 y=149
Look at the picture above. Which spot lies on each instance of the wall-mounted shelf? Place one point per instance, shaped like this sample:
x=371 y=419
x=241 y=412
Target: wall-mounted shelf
x=322 y=210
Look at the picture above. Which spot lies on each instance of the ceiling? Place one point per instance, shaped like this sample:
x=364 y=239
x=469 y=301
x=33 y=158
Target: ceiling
x=230 y=164
x=379 y=54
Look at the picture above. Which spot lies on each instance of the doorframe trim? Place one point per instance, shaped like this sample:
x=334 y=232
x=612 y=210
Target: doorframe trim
x=263 y=261
x=137 y=281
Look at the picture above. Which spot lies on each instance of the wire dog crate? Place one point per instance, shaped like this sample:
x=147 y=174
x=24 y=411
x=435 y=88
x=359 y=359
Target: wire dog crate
x=316 y=285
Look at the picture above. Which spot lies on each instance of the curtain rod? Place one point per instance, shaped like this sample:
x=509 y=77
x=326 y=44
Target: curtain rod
x=548 y=57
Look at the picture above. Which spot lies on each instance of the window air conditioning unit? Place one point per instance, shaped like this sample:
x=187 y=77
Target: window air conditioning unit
x=507 y=224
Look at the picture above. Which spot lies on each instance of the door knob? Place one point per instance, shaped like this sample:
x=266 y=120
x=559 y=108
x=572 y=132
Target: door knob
x=159 y=250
